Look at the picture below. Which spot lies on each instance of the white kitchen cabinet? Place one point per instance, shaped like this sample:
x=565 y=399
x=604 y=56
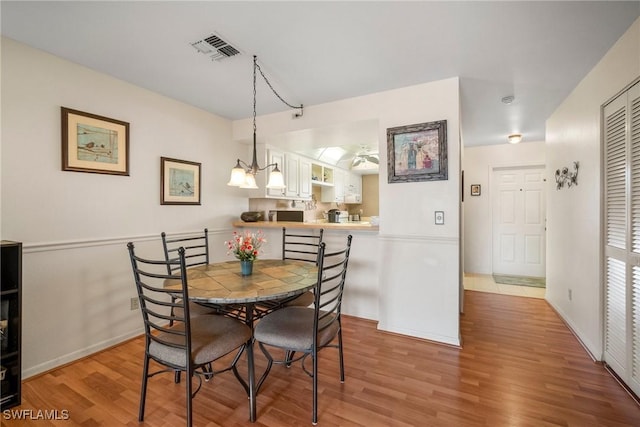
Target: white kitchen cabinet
x=353 y=188
x=297 y=177
x=291 y=174
x=347 y=188
x=338 y=184
x=296 y=172
x=321 y=175
x=335 y=193
x=275 y=156
x=304 y=178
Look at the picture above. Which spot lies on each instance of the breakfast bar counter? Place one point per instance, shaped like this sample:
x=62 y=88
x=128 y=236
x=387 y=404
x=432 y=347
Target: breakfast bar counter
x=343 y=226
x=361 y=292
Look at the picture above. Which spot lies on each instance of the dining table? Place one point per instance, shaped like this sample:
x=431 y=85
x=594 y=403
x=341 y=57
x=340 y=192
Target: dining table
x=222 y=286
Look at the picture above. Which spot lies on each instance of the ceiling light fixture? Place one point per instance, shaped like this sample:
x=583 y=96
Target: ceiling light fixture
x=508 y=99
x=246 y=178
x=514 y=138
x=365 y=160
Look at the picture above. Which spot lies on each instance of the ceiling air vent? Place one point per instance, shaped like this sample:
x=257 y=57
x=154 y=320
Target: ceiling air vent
x=216 y=48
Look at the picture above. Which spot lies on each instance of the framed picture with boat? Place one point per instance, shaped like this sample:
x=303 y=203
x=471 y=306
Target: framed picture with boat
x=94 y=144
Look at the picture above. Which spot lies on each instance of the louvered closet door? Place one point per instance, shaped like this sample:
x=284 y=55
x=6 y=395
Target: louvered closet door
x=622 y=236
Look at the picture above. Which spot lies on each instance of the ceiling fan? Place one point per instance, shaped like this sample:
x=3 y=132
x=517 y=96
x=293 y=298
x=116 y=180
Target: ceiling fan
x=363 y=157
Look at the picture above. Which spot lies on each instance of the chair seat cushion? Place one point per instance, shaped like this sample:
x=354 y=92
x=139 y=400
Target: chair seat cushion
x=304 y=300
x=291 y=328
x=195 y=309
x=212 y=336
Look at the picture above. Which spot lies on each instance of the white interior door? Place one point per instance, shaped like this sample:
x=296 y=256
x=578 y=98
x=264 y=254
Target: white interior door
x=518 y=199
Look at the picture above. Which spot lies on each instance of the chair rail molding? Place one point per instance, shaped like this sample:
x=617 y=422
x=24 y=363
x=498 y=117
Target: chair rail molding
x=109 y=241
x=416 y=239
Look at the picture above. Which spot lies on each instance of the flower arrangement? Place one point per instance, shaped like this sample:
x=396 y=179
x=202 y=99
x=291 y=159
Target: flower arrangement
x=245 y=246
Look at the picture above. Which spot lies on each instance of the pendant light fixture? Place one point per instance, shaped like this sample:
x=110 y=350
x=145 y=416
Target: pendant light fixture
x=244 y=175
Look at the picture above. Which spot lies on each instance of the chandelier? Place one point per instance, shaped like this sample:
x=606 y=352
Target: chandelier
x=244 y=175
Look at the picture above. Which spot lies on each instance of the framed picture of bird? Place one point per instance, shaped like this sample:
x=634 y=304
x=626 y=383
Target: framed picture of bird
x=94 y=144
x=179 y=182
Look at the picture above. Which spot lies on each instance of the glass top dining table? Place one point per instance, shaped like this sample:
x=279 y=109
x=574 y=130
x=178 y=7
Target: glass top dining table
x=273 y=282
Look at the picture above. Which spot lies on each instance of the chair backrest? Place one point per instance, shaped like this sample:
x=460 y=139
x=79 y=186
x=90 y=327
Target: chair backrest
x=332 y=272
x=196 y=249
x=158 y=303
x=301 y=246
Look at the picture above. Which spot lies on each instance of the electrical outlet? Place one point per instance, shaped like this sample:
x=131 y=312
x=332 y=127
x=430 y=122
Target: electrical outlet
x=570 y=295
x=134 y=304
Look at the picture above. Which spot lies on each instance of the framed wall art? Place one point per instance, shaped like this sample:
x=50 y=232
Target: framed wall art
x=417 y=152
x=94 y=144
x=475 y=189
x=179 y=182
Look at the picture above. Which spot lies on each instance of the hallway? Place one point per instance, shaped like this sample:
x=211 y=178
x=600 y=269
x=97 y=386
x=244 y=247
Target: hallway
x=485 y=283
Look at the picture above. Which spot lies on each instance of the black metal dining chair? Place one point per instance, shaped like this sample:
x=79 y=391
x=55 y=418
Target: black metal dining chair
x=301 y=246
x=180 y=342
x=196 y=249
x=298 y=246
x=307 y=330
x=196 y=252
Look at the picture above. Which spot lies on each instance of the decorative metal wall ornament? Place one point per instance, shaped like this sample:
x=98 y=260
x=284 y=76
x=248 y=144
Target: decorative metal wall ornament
x=564 y=177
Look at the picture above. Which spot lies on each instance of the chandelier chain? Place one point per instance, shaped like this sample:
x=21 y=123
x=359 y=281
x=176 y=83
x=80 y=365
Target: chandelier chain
x=270 y=87
x=255 y=65
x=244 y=175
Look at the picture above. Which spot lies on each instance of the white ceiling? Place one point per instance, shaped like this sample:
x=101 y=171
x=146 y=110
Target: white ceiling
x=318 y=52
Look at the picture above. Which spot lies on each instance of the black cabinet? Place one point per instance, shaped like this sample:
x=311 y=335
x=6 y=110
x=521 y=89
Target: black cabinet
x=10 y=322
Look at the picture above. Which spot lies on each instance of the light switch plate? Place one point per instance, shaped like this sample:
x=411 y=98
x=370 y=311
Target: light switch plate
x=439 y=215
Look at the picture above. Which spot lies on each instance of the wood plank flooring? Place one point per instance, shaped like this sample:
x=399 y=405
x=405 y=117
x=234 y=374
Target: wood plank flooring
x=519 y=366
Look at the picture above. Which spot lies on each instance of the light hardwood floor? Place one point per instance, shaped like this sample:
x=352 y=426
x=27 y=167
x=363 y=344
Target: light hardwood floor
x=519 y=366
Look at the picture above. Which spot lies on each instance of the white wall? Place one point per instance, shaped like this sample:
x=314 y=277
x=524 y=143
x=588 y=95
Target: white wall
x=478 y=165
x=76 y=274
x=574 y=219
x=76 y=277
x=419 y=261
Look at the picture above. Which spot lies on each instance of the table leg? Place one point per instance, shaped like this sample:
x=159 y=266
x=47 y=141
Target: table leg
x=251 y=367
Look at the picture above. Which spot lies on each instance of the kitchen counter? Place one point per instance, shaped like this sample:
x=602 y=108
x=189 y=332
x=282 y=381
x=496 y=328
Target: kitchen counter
x=352 y=225
x=361 y=295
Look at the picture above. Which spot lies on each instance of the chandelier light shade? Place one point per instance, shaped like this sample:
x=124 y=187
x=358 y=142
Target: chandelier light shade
x=515 y=138
x=244 y=175
x=249 y=181
x=237 y=175
x=276 y=179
